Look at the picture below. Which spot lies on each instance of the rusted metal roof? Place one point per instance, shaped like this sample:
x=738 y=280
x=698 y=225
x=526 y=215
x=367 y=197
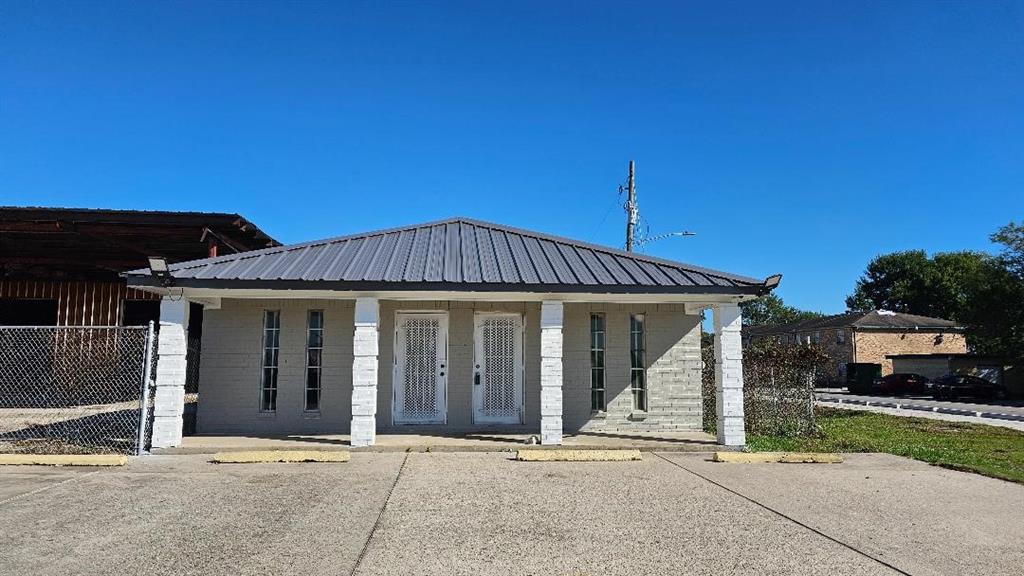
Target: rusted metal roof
x=453 y=254
x=39 y=243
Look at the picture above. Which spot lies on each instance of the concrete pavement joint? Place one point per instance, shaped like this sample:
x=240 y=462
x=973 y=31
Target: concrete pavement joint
x=783 y=515
x=380 y=517
x=47 y=487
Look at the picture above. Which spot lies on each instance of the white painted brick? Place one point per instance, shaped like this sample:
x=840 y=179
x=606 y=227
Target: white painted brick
x=169 y=397
x=729 y=375
x=365 y=377
x=166 y=431
x=363 y=431
x=169 y=401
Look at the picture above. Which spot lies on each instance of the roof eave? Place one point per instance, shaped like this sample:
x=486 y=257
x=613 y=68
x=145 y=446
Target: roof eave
x=143 y=279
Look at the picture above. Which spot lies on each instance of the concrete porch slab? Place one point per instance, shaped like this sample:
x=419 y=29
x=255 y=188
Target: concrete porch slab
x=451 y=442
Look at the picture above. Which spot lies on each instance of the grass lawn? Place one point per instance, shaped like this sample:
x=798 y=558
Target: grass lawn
x=989 y=450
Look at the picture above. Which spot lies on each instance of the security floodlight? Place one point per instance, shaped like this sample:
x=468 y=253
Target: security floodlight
x=157 y=264
x=772 y=281
x=159 y=269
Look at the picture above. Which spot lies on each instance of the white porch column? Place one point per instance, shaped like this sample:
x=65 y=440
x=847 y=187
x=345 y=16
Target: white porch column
x=364 y=372
x=169 y=398
x=729 y=375
x=551 y=372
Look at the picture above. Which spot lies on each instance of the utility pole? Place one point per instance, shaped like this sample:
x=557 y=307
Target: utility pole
x=633 y=217
x=631 y=210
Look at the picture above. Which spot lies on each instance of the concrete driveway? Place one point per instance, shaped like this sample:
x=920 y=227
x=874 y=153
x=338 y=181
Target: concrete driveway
x=482 y=513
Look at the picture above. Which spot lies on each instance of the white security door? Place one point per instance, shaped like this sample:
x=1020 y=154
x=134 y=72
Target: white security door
x=421 y=366
x=498 y=369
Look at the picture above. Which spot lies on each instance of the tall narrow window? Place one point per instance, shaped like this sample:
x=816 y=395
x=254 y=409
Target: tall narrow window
x=271 y=349
x=597 y=362
x=314 y=358
x=637 y=371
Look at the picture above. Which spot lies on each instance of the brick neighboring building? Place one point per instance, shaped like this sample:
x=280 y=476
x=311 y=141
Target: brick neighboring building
x=866 y=337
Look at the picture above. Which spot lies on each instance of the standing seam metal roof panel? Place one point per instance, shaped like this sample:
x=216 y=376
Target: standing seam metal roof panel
x=384 y=255
x=558 y=263
x=470 y=254
x=540 y=262
x=572 y=258
x=506 y=262
x=418 y=257
x=488 y=266
x=457 y=251
x=521 y=257
x=396 y=267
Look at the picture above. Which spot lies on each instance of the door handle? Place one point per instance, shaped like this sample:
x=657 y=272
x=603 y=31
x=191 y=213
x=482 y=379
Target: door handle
x=476 y=379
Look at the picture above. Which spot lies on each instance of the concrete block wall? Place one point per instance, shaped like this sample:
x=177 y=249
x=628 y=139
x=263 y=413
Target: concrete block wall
x=673 y=369
x=229 y=373
x=232 y=344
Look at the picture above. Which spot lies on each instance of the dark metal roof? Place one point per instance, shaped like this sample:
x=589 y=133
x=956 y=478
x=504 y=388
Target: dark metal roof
x=40 y=243
x=873 y=320
x=453 y=254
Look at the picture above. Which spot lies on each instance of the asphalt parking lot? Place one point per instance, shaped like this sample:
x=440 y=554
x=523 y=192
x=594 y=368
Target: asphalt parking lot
x=482 y=513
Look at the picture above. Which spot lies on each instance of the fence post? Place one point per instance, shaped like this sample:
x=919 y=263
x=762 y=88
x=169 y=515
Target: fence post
x=147 y=367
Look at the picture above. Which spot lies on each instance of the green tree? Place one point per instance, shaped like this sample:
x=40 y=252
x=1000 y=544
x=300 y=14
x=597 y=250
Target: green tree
x=985 y=293
x=913 y=283
x=901 y=282
x=994 y=314
x=1011 y=237
x=770 y=309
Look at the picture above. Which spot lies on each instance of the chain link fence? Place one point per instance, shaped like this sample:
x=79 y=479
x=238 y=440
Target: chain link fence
x=75 y=390
x=778 y=387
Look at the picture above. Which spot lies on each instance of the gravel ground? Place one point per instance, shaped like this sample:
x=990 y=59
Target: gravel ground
x=482 y=513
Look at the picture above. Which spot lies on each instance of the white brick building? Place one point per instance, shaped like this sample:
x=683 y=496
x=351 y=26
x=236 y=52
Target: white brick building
x=450 y=326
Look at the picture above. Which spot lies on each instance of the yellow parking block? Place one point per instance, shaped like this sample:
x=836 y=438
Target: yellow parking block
x=62 y=460
x=811 y=458
x=785 y=457
x=268 y=456
x=558 y=455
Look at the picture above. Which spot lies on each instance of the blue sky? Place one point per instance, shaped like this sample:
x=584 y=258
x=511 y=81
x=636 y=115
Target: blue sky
x=802 y=138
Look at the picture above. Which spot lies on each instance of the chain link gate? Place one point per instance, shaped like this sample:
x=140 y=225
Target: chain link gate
x=75 y=390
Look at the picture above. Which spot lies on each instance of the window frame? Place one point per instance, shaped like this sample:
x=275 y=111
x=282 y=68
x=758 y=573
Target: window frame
x=271 y=335
x=638 y=355
x=598 y=374
x=319 y=368
x=840 y=337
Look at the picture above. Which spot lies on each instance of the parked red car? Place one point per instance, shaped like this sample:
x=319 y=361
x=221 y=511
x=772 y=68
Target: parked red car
x=900 y=384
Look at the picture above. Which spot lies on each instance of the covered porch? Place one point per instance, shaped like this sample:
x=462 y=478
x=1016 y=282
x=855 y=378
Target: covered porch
x=454 y=369
x=454 y=326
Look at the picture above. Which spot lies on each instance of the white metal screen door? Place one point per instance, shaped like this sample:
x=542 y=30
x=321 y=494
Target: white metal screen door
x=498 y=369
x=421 y=366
